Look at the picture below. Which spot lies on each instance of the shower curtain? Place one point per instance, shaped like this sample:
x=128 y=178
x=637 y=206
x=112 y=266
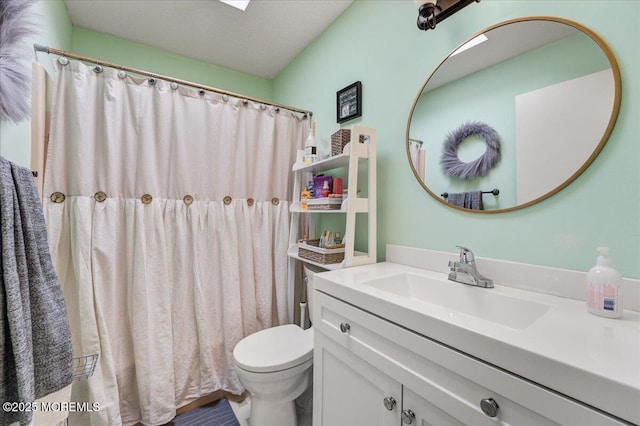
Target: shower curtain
x=167 y=209
x=418 y=156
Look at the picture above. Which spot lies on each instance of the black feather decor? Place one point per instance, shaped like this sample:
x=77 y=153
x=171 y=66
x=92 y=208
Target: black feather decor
x=17 y=26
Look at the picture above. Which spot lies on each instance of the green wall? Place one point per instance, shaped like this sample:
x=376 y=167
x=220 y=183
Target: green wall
x=377 y=43
x=54 y=29
x=134 y=55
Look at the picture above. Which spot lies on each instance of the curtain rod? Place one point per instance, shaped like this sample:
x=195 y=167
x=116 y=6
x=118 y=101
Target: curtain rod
x=50 y=50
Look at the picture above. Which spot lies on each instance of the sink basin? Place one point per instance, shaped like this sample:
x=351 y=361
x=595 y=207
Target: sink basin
x=482 y=303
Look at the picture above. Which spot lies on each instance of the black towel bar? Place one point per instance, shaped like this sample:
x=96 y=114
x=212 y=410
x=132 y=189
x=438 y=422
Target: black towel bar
x=495 y=191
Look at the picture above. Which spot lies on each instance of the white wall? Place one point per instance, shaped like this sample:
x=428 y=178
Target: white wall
x=558 y=112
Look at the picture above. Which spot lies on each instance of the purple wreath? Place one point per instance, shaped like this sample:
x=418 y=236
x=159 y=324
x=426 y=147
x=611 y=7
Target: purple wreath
x=452 y=165
x=17 y=24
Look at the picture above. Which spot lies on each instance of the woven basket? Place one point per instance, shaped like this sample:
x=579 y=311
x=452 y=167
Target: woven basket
x=311 y=251
x=339 y=139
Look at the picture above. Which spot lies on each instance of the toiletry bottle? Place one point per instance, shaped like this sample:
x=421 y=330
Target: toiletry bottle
x=310 y=145
x=604 y=287
x=337 y=185
x=304 y=196
x=311 y=188
x=338 y=238
x=325 y=189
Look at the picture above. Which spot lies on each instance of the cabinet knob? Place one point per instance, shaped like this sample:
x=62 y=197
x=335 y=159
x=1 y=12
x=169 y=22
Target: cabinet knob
x=345 y=327
x=408 y=416
x=389 y=403
x=489 y=407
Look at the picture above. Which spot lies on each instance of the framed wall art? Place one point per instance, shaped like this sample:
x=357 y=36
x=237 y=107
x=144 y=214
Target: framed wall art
x=349 y=102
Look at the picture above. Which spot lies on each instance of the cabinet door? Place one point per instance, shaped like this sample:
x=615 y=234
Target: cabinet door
x=421 y=412
x=349 y=391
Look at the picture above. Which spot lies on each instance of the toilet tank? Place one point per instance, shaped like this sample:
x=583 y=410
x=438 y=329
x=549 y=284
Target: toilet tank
x=309 y=271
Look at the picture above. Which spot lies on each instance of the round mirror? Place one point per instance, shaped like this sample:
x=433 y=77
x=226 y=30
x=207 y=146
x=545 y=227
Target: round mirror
x=547 y=92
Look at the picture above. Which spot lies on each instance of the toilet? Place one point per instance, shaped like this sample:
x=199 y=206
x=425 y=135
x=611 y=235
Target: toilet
x=275 y=366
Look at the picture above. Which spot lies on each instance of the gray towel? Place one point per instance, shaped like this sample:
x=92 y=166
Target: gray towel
x=36 y=353
x=474 y=200
x=468 y=200
x=457 y=199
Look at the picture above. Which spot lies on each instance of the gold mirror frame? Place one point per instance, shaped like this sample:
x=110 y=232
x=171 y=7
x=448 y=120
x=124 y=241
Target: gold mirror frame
x=605 y=137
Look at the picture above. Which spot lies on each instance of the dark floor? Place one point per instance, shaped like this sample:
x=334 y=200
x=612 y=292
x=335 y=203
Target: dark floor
x=218 y=413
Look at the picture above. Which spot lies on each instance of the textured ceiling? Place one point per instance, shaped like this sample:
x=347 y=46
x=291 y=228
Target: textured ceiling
x=260 y=41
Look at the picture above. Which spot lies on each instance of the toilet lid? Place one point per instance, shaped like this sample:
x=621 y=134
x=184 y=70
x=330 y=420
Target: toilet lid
x=274 y=349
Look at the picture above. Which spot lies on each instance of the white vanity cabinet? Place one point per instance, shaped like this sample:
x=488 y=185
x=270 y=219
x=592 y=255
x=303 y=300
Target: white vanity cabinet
x=371 y=371
x=351 y=391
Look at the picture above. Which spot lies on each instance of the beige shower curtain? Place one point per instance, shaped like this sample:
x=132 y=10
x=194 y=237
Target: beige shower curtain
x=168 y=218
x=41 y=94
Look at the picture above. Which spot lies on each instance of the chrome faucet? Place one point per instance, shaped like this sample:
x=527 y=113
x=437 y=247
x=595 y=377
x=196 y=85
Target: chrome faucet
x=464 y=271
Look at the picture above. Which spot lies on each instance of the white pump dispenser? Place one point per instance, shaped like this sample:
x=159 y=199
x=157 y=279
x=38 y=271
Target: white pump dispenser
x=604 y=287
x=310 y=153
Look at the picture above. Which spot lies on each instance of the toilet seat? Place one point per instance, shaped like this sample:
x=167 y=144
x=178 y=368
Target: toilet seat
x=274 y=349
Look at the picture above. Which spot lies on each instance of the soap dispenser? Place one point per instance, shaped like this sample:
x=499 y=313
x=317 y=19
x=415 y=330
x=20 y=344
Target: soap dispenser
x=310 y=153
x=604 y=287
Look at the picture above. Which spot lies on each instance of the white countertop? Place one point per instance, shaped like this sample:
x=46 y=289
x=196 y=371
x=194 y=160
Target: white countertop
x=593 y=359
